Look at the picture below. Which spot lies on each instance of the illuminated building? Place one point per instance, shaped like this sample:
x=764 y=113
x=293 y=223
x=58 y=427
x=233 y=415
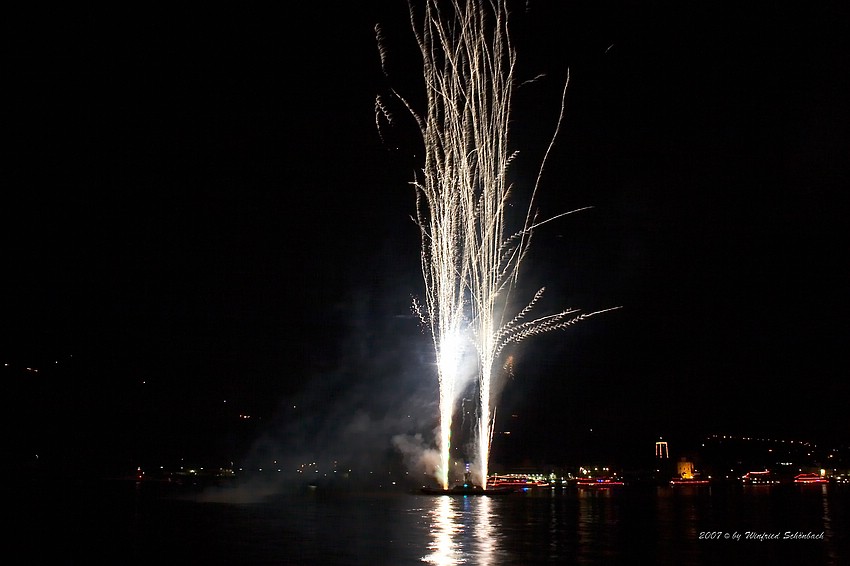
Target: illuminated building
x=685 y=469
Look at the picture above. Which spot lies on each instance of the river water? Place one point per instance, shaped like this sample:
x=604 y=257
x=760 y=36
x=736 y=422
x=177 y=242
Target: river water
x=124 y=523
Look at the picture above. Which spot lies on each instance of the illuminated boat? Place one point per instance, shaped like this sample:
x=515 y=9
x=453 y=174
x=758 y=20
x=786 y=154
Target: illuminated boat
x=598 y=483
x=689 y=481
x=810 y=478
x=763 y=477
x=467 y=489
x=515 y=482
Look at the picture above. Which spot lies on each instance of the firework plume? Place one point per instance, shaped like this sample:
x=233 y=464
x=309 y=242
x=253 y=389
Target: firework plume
x=470 y=257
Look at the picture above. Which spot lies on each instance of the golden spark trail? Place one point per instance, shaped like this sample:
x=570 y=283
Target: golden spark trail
x=470 y=259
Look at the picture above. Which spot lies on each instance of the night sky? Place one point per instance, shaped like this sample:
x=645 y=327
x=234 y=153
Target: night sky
x=200 y=221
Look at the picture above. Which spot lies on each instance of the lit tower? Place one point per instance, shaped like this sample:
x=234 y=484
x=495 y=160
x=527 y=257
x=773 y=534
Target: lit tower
x=661 y=450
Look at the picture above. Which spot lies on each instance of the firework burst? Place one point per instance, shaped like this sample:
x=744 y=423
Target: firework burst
x=470 y=258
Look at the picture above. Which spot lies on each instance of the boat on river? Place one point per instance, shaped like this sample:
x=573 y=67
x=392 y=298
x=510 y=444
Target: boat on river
x=467 y=489
x=599 y=483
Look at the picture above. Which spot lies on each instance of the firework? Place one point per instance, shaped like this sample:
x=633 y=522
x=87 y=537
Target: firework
x=470 y=258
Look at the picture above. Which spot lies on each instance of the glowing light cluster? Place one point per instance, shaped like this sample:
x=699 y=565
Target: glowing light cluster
x=811 y=478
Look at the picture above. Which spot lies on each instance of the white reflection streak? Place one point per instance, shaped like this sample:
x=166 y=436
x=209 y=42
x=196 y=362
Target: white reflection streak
x=484 y=533
x=443 y=547
x=462 y=532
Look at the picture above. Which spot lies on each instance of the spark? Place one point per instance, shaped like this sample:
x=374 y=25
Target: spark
x=470 y=259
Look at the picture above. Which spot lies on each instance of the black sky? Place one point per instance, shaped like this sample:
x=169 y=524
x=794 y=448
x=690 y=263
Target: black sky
x=196 y=197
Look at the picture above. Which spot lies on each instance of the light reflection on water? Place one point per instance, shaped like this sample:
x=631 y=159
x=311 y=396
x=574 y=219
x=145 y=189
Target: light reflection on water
x=596 y=524
x=461 y=530
x=829 y=534
x=627 y=526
